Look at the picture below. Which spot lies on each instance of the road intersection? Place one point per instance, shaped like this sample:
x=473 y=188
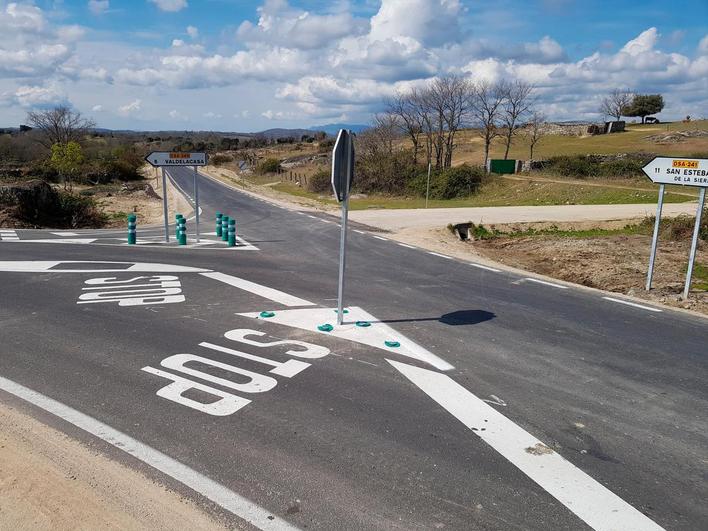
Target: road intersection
x=475 y=398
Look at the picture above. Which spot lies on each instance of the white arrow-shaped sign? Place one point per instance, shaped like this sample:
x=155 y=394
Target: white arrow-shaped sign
x=686 y=172
x=176 y=158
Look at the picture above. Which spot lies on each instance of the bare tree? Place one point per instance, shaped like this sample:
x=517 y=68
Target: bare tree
x=534 y=131
x=410 y=119
x=59 y=125
x=517 y=103
x=385 y=130
x=486 y=105
x=615 y=103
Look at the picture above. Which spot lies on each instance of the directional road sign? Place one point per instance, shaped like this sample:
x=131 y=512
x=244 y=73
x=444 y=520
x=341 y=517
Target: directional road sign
x=683 y=171
x=176 y=158
x=343 y=165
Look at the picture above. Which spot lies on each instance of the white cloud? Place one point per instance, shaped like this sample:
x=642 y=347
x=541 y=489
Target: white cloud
x=34 y=97
x=193 y=32
x=176 y=115
x=170 y=5
x=98 y=7
x=97 y=108
x=212 y=115
x=268 y=114
x=703 y=46
x=130 y=108
x=429 y=22
x=645 y=42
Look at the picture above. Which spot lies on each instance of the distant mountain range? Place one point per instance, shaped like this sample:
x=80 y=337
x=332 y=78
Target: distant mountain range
x=333 y=129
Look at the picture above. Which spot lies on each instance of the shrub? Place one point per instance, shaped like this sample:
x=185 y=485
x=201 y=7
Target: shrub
x=76 y=212
x=320 y=182
x=268 y=166
x=579 y=166
x=628 y=167
x=220 y=158
x=383 y=173
x=460 y=181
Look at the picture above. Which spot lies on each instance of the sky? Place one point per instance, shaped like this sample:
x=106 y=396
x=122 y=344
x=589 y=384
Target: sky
x=249 y=65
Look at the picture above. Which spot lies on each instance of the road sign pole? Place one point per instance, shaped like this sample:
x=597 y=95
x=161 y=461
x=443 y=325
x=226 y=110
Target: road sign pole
x=655 y=239
x=343 y=236
x=196 y=199
x=427 y=188
x=164 y=205
x=694 y=242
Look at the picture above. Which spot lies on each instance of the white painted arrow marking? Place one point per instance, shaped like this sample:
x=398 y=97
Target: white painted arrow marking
x=596 y=505
x=373 y=336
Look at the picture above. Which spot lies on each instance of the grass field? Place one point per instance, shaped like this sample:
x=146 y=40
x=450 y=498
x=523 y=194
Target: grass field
x=471 y=148
x=505 y=192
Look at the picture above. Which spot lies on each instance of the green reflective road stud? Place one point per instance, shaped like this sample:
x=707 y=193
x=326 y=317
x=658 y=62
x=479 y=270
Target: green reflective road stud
x=392 y=344
x=363 y=324
x=225 y=228
x=232 y=233
x=325 y=328
x=343 y=311
x=132 y=229
x=266 y=315
x=218 y=224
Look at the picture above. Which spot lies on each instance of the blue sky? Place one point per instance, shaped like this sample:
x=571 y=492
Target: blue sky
x=249 y=65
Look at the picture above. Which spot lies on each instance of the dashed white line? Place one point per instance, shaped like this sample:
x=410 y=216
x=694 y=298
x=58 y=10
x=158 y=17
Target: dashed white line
x=480 y=266
x=440 y=255
x=406 y=245
x=210 y=489
x=325 y=220
x=380 y=238
x=620 y=301
x=592 y=502
x=313 y=217
x=551 y=284
x=359 y=231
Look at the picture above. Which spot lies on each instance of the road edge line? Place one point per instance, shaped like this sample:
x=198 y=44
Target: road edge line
x=210 y=489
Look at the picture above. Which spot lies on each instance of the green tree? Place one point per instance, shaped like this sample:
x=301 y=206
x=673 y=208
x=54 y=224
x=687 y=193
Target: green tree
x=66 y=160
x=643 y=105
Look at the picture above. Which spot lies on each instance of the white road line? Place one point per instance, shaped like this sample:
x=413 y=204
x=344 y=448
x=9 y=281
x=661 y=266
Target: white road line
x=480 y=266
x=537 y=281
x=9 y=235
x=210 y=489
x=258 y=289
x=313 y=217
x=359 y=231
x=597 y=506
x=380 y=238
x=406 y=245
x=325 y=220
x=41 y=266
x=649 y=308
x=65 y=233
x=440 y=255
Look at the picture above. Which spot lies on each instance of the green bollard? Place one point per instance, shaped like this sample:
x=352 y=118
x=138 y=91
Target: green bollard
x=132 y=229
x=218 y=224
x=232 y=233
x=177 y=218
x=182 y=231
x=225 y=228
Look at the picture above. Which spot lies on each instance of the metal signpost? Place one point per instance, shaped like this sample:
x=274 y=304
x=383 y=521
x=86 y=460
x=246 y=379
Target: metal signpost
x=427 y=188
x=685 y=172
x=166 y=159
x=342 y=177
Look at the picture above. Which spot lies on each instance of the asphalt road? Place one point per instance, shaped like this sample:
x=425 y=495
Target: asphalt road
x=615 y=393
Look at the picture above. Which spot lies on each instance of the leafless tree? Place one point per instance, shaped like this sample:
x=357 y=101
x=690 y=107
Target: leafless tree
x=486 y=108
x=410 y=119
x=517 y=104
x=386 y=128
x=615 y=103
x=59 y=125
x=534 y=131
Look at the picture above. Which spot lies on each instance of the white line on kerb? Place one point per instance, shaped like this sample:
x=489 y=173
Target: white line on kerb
x=210 y=489
x=480 y=266
x=537 y=281
x=596 y=505
x=649 y=308
x=440 y=255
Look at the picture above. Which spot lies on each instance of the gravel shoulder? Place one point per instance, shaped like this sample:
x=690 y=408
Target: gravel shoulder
x=50 y=481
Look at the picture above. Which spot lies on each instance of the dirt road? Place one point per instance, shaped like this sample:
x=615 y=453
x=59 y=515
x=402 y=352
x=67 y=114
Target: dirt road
x=395 y=220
